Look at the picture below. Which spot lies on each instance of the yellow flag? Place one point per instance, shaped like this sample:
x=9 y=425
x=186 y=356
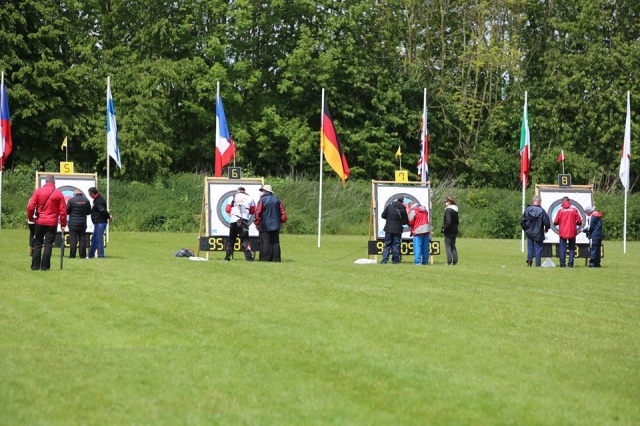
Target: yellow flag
x=398 y=152
x=64 y=143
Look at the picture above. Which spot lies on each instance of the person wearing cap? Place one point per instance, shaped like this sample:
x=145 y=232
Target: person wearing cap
x=100 y=217
x=593 y=229
x=78 y=208
x=395 y=217
x=51 y=210
x=420 y=231
x=535 y=223
x=270 y=216
x=240 y=209
x=567 y=220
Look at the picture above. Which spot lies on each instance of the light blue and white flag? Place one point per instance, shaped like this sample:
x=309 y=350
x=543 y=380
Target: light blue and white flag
x=112 y=129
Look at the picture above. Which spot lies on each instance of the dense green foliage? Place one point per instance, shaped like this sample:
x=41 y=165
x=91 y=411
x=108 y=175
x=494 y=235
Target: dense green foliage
x=476 y=58
x=144 y=338
x=174 y=204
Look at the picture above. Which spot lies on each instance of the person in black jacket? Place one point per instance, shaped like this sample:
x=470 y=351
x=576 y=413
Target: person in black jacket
x=78 y=208
x=395 y=216
x=100 y=216
x=450 y=230
x=535 y=223
x=269 y=218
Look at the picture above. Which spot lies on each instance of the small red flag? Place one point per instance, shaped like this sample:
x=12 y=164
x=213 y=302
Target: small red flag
x=561 y=157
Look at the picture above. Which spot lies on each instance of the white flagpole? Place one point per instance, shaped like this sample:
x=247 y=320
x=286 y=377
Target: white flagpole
x=424 y=165
x=523 y=207
x=624 y=228
x=320 y=190
x=215 y=146
x=626 y=150
x=563 y=161
x=108 y=170
x=425 y=131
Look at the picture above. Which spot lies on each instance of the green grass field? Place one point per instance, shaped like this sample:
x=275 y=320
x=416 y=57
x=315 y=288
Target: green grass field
x=142 y=337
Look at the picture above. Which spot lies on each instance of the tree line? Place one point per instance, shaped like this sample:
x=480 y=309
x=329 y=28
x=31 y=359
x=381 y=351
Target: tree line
x=576 y=60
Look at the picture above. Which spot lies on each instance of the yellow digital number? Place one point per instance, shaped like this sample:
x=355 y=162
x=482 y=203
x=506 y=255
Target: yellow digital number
x=237 y=245
x=215 y=244
x=406 y=248
x=380 y=246
x=434 y=248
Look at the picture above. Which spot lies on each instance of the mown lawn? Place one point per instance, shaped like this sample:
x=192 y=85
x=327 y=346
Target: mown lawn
x=142 y=337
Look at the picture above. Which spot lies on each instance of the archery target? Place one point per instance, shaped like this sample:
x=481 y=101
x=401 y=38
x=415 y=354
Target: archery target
x=67 y=184
x=552 y=201
x=385 y=194
x=219 y=194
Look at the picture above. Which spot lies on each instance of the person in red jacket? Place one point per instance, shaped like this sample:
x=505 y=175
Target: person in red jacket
x=51 y=208
x=567 y=220
x=420 y=231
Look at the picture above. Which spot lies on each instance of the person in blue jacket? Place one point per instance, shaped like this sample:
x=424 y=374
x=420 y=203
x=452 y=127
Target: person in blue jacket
x=594 y=233
x=535 y=223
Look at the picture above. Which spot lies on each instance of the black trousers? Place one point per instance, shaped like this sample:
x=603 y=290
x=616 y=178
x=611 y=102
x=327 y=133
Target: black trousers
x=239 y=229
x=78 y=235
x=44 y=236
x=270 y=246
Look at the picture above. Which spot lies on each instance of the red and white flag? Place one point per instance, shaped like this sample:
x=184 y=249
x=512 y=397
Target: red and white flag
x=561 y=157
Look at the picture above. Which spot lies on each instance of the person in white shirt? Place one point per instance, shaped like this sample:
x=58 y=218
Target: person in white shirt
x=240 y=210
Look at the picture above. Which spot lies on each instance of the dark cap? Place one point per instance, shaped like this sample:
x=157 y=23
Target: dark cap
x=241 y=188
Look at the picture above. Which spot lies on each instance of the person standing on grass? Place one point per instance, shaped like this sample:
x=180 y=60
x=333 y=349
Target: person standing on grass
x=100 y=216
x=51 y=210
x=535 y=223
x=567 y=220
x=78 y=208
x=420 y=231
x=395 y=216
x=240 y=209
x=450 y=230
x=594 y=233
x=270 y=216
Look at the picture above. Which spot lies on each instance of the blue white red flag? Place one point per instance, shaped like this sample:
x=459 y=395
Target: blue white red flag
x=112 y=129
x=5 y=125
x=225 y=148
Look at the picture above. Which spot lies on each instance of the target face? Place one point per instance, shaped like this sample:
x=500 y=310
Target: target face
x=580 y=197
x=384 y=194
x=68 y=184
x=219 y=193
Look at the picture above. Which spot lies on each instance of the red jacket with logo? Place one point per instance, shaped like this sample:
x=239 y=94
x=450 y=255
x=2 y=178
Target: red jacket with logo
x=567 y=219
x=51 y=206
x=419 y=220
